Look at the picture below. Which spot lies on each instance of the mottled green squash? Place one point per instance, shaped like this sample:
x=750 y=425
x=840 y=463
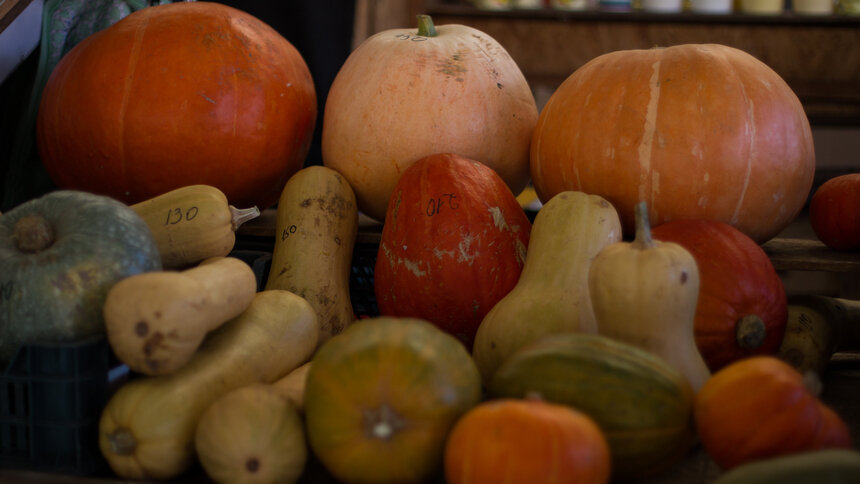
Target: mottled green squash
x=832 y=466
x=59 y=256
x=642 y=404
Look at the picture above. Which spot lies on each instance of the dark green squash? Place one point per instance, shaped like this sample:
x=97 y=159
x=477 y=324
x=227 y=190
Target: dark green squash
x=59 y=255
x=642 y=404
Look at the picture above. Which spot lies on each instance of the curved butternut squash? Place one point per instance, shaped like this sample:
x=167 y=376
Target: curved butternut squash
x=551 y=295
x=147 y=428
x=155 y=321
x=192 y=223
x=316 y=228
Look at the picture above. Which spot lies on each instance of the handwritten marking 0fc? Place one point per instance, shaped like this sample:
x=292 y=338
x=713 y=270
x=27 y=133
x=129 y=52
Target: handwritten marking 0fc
x=288 y=231
x=412 y=37
x=176 y=215
x=434 y=205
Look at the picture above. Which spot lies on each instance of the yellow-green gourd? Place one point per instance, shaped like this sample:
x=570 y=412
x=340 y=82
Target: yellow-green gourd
x=551 y=295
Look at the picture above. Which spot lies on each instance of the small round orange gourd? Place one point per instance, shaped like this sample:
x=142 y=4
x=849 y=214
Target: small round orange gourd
x=760 y=407
x=698 y=131
x=530 y=440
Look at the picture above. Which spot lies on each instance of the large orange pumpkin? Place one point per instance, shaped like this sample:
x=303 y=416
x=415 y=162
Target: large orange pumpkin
x=527 y=441
x=760 y=407
x=408 y=93
x=698 y=131
x=453 y=244
x=174 y=95
x=742 y=308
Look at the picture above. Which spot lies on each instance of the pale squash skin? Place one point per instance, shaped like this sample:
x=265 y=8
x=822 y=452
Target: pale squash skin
x=292 y=386
x=157 y=320
x=645 y=293
x=252 y=435
x=643 y=405
x=316 y=228
x=147 y=428
x=401 y=96
x=193 y=223
x=382 y=396
x=551 y=295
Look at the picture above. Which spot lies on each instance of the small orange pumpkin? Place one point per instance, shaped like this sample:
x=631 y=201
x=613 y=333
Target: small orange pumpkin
x=760 y=407
x=512 y=440
x=834 y=212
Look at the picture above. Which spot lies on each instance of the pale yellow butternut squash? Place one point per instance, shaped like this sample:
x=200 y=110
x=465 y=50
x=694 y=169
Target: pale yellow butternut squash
x=645 y=293
x=155 y=321
x=193 y=223
x=316 y=228
x=147 y=428
x=551 y=295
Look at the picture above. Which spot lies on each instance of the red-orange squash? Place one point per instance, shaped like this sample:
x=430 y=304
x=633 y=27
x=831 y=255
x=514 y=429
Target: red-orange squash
x=742 y=308
x=453 y=244
x=528 y=441
x=834 y=212
x=179 y=94
x=760 y=407
x=408 y=93
x=699 y=131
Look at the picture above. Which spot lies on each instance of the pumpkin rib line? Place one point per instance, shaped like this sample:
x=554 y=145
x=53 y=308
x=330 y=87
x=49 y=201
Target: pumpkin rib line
x=133 y=59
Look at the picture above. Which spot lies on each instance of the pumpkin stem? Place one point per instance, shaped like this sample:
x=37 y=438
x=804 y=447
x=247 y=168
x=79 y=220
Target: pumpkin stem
x=750 y=332
x=32 y=233
x=382 y=423
x=425 y=26
x=122 y=442
x=643 y=238
x=242 y=215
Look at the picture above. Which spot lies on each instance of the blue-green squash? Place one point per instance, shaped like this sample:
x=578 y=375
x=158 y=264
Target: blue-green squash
x=59 y=256
x=641 y=403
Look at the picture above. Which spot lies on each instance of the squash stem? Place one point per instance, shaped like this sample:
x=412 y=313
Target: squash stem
x=750 y=332
x=122 y=442
x=32 y=233
x=425 y=26
x=643 y=238
x=242 y=215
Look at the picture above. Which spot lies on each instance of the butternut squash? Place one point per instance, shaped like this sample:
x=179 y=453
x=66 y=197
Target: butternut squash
x=252 y=434
x=551 y=294
x=192 y=223
x=292 y=386
x=316 y=228
x=645 y=293
x=147 y=428
x=155 y=321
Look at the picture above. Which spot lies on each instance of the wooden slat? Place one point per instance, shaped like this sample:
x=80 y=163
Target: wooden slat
x=809 y=255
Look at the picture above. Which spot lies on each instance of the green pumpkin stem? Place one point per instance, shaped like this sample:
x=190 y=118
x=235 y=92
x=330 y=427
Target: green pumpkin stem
x=750 y=332
x=242 y=215
x=425 y=26
x=643 y=238
x=32 y=233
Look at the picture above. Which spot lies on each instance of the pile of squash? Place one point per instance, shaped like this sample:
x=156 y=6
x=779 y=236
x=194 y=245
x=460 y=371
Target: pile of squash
x=634 y=318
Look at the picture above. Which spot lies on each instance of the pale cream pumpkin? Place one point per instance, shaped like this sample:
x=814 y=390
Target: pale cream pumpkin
x=404 y=94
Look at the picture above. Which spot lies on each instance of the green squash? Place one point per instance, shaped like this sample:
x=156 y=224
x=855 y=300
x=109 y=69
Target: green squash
x=641 y=403
x=59 y=256
x=830 y=466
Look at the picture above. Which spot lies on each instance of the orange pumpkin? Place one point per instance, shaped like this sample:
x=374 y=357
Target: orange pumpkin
x=531 y=441
x=453 y=244
x=742 y=308
x=698 y=131
x=404 y=94
x=759 y=407
x=834 y=212
x=174 y=95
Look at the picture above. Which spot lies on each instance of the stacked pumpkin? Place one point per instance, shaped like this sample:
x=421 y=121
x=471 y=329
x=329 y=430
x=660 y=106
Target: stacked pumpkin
x=476 y=300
